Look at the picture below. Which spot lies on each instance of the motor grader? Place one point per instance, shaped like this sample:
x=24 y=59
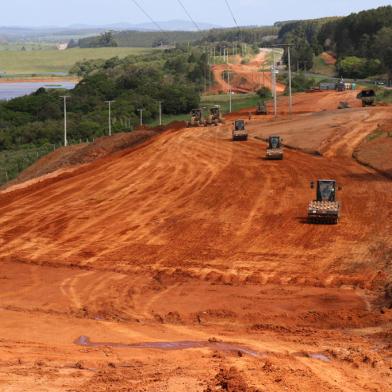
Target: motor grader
x=196 y=118
x=275 y=148
x=239 y=131
x=325 y=209
x=215 y=116
x=368 y=97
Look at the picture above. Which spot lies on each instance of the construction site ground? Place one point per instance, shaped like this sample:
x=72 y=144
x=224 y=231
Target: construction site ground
x=187 y=264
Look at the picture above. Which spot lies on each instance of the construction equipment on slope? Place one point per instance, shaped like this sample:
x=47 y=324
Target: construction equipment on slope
x=325 y=209
x=368 y=97
x=215 y=117
x=239 y=131
x=196 y=118
x=261 y=109
x=275 y=148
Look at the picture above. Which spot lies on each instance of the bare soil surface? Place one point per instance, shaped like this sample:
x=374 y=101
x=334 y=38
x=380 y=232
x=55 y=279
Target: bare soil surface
x=189 y=265
x=65 y=160
x=376 y=150
x=328 y=58
x=245 y=78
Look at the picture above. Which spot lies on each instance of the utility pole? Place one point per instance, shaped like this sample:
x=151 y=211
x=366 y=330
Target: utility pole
x=274 y=84
x=141 y=116
x=290 y=83
x=160 y=112
x=65 y=97
x=228 y=82
x=290 y=74
x=110 y=116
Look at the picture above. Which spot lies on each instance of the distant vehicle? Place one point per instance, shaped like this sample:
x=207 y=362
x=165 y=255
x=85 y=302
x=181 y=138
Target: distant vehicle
x=261 y=109
x=368 y=97
x=239 y=131
x=196 y=118
x=325 y=209
x=341 y=86
x=275 y=148
x=215 y=116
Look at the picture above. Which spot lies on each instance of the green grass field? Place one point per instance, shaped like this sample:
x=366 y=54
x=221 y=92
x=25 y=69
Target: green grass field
x=54 y=61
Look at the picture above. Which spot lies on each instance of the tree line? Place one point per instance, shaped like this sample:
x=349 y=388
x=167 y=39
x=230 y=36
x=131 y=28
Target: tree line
x=175 y=77
x=362 y=42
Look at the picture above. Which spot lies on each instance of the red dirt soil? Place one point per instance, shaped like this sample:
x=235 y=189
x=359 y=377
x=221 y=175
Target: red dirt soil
x=328 y=58
x=376 y=151
x=245 y=78
x=193 y=238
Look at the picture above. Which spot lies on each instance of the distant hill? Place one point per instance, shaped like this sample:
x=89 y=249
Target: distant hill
x=52 y=33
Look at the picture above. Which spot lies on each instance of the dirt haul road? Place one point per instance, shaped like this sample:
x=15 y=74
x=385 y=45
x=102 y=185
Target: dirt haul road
x=187 y=265
x=245 y=78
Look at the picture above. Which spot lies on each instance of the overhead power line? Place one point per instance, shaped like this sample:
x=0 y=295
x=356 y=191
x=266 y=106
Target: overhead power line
x=188 y=14
x=148 y=16
x=232 y=13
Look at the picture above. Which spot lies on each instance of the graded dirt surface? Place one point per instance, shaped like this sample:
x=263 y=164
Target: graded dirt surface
x=186 y=264
x=245 y=78
x=374 y=149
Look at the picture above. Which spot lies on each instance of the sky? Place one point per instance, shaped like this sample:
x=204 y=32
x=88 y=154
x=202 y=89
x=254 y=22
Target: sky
x=101 y=12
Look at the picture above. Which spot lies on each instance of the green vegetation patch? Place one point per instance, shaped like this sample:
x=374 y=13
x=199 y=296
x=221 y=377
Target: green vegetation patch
x=51 y=61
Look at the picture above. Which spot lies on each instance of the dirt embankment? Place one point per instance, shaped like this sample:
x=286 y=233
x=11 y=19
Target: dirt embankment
x=166 y=254
x=244 y=78
x=84 y=153
x=376 y=150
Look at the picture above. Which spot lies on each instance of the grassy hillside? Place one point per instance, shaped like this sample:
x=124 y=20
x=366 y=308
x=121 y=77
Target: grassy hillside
x=49 y=61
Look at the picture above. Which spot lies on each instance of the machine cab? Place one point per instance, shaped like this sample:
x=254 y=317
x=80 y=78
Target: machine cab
x=274 y=142
x=326 y=190
x=215 y=111
x=196 y=113
x=239 y=125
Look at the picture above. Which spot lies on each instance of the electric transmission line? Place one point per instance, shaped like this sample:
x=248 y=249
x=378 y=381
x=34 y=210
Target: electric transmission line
x=232 y=13
x=188 y=14
x=148 y=15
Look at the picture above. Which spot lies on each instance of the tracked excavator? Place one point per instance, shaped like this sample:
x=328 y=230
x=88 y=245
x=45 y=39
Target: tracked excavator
x=275 y=148
x=325 y=209
x=239 y=131
x=215 y=116
x=196 y=118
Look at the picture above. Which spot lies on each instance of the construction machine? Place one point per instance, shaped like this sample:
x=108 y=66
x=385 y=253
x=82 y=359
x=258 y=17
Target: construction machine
x=275 y=148
x=368 y=97
x=215 y=116
x=341 y=85
x=196 y=118
x=261 y=109
x=325 y=209
x=239 y=131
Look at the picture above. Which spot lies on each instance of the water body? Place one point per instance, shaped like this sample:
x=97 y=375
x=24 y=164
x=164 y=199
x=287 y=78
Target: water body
x=11 y=90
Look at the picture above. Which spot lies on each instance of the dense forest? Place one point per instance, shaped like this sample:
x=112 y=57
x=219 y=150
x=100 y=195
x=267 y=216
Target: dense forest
x=175 y=77
x=362 y=42
x=248 y=35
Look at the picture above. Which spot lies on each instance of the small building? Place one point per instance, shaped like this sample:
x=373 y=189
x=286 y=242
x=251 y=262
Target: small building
x=62 y=46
